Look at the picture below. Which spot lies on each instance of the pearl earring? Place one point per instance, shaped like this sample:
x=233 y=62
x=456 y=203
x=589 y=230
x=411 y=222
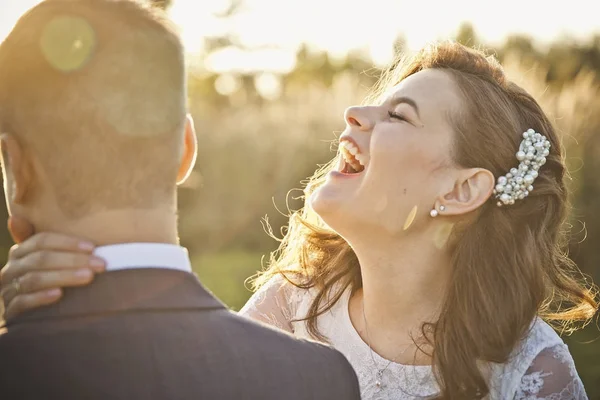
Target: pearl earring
x=434 y=213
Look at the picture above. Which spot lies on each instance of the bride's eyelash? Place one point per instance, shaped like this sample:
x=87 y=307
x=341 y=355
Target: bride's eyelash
x=396 y=116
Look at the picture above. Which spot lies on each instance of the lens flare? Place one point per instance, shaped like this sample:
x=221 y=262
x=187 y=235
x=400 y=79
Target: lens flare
x=67 y=43
x=441 y=235
x=411 y=217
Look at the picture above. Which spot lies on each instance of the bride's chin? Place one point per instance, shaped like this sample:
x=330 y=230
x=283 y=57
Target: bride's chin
x=323 y=203
x=333 y=206
x=330 y=214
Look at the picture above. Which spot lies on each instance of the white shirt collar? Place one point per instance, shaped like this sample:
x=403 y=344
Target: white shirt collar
x=144 y=255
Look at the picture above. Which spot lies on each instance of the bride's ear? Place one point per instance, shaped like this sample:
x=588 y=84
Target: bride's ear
x=472 y=188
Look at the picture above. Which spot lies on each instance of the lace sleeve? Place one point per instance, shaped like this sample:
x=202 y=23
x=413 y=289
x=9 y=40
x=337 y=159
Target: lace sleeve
x=552 y=376
x=274 y=303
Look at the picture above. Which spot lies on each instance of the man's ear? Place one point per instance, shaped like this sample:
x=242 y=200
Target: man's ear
x=19 y=228
x=18 y=173
x=472 y=188
x=190 y=151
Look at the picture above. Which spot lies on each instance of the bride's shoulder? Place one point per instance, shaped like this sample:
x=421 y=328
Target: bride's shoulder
x=540 y=336
x=290 y=286
x=544 y=334
x=276 y=301
x=541 y=330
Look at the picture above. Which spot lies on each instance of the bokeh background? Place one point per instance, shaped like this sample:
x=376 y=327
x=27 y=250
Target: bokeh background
x=269 y=81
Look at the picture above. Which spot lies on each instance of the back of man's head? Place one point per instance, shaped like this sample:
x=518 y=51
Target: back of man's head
x=94 y=90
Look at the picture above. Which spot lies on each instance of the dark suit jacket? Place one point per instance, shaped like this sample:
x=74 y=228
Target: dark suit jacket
x=158 y=334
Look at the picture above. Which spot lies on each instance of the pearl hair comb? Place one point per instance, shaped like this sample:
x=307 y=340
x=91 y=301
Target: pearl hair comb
x=518 y=183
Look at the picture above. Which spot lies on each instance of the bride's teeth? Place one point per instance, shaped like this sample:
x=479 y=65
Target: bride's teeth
x=351 y=154
x=350 y=147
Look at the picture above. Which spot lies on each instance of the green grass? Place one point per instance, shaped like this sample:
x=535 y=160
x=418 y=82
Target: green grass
x=224 y=274
x=585 y=349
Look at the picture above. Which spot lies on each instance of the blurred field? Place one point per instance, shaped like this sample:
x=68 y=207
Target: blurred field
x=224 y=273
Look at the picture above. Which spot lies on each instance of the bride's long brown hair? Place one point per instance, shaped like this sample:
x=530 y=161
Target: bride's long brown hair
x=508 y=262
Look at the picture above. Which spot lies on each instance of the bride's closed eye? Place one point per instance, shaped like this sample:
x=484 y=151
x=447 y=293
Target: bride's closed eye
x=400 y=117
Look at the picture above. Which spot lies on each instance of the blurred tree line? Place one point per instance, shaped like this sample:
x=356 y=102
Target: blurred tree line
x=256 y=145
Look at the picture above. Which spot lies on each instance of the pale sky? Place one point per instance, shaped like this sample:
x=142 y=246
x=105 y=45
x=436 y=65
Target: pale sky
x=341 y=25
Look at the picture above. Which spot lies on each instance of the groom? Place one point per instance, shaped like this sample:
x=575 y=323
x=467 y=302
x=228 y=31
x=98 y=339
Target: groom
x=94 y=139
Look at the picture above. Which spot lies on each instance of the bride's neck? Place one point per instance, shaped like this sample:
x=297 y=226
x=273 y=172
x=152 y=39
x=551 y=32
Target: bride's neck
x=403 y=286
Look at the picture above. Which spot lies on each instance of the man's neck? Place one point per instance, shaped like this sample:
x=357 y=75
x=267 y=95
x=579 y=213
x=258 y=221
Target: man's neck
x=120 y=226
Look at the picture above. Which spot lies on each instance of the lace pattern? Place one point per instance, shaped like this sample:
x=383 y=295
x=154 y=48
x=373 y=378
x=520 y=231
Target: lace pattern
x=551 y=376
x=540 y=368
x=275 y=304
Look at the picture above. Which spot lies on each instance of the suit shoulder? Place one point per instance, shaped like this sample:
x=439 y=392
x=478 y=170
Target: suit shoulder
x=316 y=360
x=272 y=337
x=7 y=336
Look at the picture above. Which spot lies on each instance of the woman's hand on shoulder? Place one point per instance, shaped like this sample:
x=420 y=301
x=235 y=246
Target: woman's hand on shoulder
x=40 y=265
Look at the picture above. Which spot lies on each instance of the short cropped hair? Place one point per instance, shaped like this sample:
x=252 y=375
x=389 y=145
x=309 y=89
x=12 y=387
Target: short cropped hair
x=96 y=89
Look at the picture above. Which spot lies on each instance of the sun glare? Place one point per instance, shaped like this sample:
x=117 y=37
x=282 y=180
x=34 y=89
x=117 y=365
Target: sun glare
x=67 y=43
x=271 y=31
x=268 y=85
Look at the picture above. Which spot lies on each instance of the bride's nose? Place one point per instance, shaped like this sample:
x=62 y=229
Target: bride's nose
x=359 y=117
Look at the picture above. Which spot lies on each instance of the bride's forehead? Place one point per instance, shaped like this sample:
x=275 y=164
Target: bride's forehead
x=422 y=83
x=433 y=90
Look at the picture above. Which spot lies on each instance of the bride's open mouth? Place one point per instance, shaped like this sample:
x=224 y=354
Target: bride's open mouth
x=352 y=161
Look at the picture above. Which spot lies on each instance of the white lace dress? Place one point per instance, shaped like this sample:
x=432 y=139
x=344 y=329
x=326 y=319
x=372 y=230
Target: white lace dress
x=541 y=366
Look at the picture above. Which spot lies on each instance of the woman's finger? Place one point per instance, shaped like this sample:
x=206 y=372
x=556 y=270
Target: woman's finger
x=50 y=241
x=46 y=261
x=38 y=281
